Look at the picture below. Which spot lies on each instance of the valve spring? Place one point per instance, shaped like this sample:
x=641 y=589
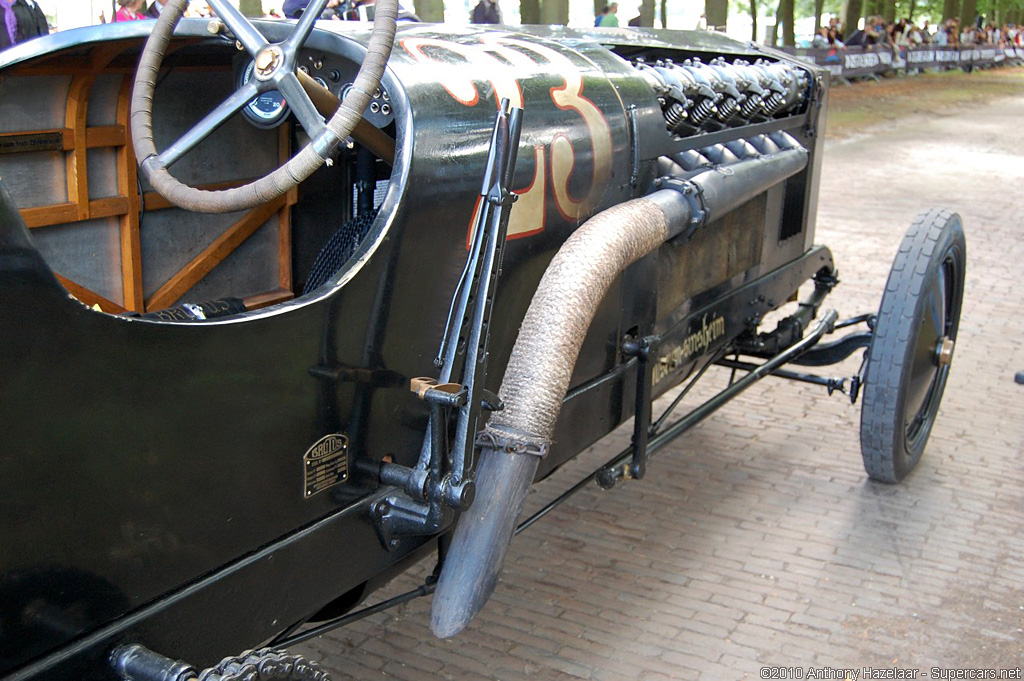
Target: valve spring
x=751 y=106
x=675 y=116
x=727 y=109
x=702 y=111
x=774 y=103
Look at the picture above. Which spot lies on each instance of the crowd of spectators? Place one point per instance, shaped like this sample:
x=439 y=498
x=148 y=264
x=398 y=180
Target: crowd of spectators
x=829 y=36
x=905 y=33
x=23 y=20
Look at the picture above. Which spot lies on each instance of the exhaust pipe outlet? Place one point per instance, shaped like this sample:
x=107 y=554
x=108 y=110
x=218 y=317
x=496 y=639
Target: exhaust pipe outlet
x=484 y=533
x=536 y=380
x=542 y=361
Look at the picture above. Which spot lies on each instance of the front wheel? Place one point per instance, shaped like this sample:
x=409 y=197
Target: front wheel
x=910 y=355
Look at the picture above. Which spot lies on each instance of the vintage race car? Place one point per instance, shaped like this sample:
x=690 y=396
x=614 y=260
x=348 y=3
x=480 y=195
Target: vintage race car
x=232 y=410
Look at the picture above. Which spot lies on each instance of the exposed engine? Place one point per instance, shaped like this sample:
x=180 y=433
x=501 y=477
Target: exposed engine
x=696 y=97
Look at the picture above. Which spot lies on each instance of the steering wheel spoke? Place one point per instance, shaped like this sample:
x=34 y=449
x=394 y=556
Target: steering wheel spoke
x=210 y=122
x=247 y=34
x=300 y=103
x=305 y=26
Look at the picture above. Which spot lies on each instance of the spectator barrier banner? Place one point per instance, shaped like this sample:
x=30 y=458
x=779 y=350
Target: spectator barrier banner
x=851 y=62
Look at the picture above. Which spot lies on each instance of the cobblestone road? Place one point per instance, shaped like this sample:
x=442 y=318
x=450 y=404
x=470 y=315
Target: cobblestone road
x=757 y=540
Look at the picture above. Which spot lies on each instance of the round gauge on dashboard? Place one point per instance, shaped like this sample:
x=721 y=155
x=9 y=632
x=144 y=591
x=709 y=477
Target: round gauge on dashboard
x=268 y=109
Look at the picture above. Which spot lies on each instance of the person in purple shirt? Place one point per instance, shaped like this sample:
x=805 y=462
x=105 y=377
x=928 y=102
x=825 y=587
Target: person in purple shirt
x=20 y=20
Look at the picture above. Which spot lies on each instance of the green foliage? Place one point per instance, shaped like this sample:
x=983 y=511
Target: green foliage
x=251 y=8
x=430 y=10
x=805 y=8
x=764 y=7
x=930 y=10
x=1002 y=11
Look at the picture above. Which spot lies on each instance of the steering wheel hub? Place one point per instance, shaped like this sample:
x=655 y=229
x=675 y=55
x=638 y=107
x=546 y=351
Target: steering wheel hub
x=268 y=61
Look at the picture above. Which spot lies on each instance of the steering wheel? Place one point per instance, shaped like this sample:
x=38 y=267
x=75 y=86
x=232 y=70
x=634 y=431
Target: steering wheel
x=275 y=69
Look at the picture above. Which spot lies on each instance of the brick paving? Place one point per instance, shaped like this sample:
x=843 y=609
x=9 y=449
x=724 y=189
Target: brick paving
x=757 y=540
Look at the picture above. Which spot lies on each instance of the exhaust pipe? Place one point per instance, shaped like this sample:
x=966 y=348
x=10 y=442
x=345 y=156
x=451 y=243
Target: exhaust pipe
x=541 y=364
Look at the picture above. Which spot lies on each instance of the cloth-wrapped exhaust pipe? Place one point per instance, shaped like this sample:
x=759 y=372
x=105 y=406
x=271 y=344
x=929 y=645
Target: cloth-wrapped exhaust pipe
x=542 y=361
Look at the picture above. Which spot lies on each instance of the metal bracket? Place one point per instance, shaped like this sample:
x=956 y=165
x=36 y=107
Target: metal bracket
x=634 y=144
x=642 y=349
x=398 y=516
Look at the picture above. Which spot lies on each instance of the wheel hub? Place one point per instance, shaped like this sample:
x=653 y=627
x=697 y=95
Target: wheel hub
x=268 y=61
x=944 y=351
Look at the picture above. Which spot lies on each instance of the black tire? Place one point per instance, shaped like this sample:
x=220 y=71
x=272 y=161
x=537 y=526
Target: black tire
x=905 y=376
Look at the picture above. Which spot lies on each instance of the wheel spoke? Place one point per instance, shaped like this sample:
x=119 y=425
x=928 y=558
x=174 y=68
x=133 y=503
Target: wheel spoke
x=252 y=40
x=210 y=122
x=311 y=120
x=305 y=26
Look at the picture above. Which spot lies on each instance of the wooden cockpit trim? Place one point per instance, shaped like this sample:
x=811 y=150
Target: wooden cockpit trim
x=75 y=140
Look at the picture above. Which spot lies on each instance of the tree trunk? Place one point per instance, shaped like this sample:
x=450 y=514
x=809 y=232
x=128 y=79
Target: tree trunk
x=646 y=13
x=851 y=17
x=773 y=37
x=888 y=10
x=557 y=12
x=913 y=8
x=598 y=6
x=431 y=11
x=529 y=11
x=950 y=9
x=968 y=13
x=819 y=7
x=664 y=13
x=716 y=12
x=786 y=10
x=753 y=21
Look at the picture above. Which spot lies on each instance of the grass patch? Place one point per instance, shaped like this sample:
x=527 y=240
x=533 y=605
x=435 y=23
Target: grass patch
x=865 y=104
